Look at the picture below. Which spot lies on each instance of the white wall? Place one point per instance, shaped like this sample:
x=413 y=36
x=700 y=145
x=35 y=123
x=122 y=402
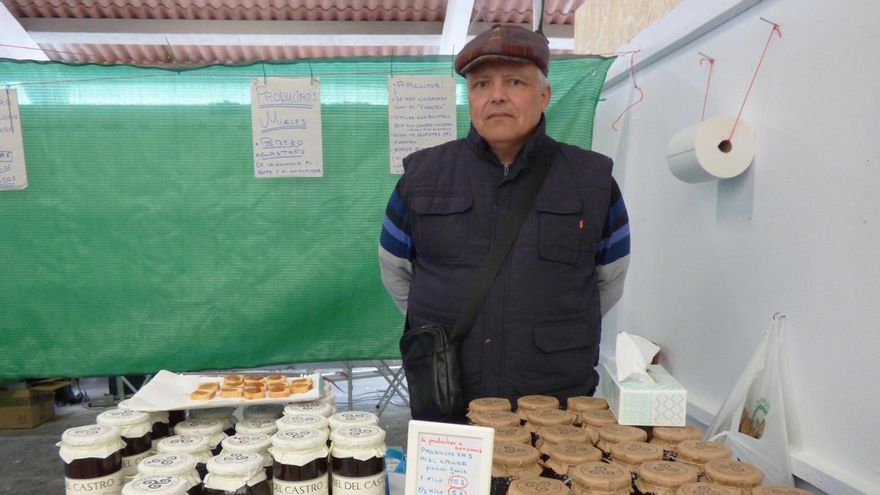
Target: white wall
x=798 y=233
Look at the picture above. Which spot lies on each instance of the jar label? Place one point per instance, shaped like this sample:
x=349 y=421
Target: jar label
x=130 y=464
x=368 y=485
x=317 y=486
x=105 y=485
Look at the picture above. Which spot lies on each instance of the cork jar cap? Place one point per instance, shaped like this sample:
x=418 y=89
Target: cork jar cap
x=564 y=433
x=550 y=417
x=729 y=472
x=778 y=490
x=702 y=451
x=575 y=453
x=512 y=434
x=533 y=402
x=702 y=488
x=620 y=433
x=487 y=404
x=676 y=434
x=636 y=452
x=667 y=474
x=600 y=476
x=583 y=403
x=537 y=486
x=598 y=417
x=514 y=455
x=496 y=419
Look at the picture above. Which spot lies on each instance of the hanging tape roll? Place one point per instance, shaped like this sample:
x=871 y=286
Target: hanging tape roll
x=703 y=152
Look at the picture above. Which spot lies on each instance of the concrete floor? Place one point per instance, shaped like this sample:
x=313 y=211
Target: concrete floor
x=29 y=462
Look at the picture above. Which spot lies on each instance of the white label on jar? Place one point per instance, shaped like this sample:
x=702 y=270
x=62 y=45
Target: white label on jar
x=368 y=485
x=106 y=485
x=317 y=486
x=130 y=464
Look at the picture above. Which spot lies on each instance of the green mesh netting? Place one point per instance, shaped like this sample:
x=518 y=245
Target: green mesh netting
x=144 y=242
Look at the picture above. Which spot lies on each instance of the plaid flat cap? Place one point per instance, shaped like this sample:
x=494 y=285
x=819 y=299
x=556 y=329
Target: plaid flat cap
x=504 y=42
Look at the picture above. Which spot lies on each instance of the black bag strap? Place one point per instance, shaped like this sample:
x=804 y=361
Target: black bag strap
x=509 y=231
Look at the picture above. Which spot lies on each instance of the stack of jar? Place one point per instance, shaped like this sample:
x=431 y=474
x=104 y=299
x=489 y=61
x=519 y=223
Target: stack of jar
x=214 y=454
x=562 y=445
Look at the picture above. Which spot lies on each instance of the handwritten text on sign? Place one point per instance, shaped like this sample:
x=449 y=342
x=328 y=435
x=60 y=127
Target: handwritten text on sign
x=449 y=464
x=286 y=123
x=421 y=114
x=12 y=170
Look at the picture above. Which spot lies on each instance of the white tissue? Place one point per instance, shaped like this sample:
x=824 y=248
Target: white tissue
x=632 y=357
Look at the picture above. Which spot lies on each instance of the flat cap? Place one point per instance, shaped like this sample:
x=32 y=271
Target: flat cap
x=504 y=42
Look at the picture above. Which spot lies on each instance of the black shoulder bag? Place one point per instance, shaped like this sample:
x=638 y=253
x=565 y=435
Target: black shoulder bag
x=430 y=353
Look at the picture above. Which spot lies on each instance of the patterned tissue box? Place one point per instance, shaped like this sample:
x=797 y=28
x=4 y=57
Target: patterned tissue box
x=663 y=403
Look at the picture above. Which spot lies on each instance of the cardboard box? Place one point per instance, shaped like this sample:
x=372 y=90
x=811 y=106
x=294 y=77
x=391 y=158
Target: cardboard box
x=663 y=403
x=30 y=406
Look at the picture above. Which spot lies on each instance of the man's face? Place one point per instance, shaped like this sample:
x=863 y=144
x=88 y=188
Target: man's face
x=506 y=100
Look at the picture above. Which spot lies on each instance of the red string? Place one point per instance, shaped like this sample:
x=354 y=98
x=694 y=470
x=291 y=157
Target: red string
x=632 y=75
x=754 y=76
x=706 y=58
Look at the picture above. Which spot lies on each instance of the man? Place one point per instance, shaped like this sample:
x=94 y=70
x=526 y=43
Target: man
x=538 y=330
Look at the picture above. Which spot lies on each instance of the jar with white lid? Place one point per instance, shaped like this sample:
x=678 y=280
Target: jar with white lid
x=262 y=411
x=252 y=444
x=300 y=462
x=182 y=466
x=316 y=407
x=303 y=420
x=160 y=429
x=225 y=414
x=135 y=429
x=155 y=485
x=234 y=473
x=357 y=460
x=92 y=458
x=352 y=418
x=194 y=445
x=256 y=426
x=212 y=429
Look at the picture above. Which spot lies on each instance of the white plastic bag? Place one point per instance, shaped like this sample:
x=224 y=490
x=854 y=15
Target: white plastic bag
x=752 y=421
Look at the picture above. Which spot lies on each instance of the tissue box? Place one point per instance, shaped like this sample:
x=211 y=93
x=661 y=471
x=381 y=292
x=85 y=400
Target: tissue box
x=663 y=403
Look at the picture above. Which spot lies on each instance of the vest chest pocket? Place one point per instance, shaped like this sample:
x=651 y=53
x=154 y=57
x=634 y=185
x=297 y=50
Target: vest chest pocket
x=560 y=228
x=440 y=226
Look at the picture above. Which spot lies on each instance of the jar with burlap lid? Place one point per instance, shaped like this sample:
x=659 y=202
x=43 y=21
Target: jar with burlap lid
x=742 y=477
x=584 y=403
x=512 y=461
x=613 y=434
x=697 y=453
x=703 y=488
x=513 y=434
x=563 y=457
x=779 y=490
x=537 y=486
x=595 y=419
x=599 y=478
x=669 y=437
x=485 y=405
x=541 y=419
x=497 y=419
x=528 y=403
x=555 y=435
x=631 y=455
x=663 y=477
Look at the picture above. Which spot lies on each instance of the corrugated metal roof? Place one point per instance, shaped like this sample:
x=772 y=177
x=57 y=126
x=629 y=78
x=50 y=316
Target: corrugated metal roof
x=557 y=12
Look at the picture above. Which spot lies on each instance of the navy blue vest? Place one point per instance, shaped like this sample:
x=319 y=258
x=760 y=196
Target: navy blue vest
x=538 y=330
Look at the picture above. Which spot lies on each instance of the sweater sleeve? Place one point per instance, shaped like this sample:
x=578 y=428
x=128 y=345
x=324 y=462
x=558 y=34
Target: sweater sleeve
x=395 y=250
x=612 y=259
